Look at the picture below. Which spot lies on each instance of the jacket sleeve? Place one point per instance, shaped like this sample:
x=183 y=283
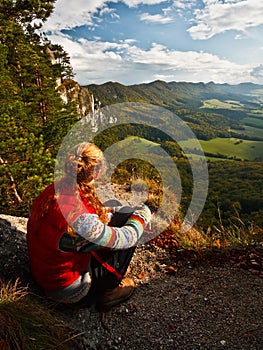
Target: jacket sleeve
x=93 y=230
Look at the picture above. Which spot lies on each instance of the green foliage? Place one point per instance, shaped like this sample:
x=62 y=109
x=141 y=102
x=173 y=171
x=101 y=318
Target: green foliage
x=110 y=93
x=62 y=67
x=234 y=188
x=206 y=125
x=231 y=111
x=117 y=133
x=25 y=11
x=230 y=148
x=34 y=119
x=26 y=167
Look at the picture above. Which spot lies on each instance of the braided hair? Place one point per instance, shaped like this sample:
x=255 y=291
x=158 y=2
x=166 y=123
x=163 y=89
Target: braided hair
x=81 y=166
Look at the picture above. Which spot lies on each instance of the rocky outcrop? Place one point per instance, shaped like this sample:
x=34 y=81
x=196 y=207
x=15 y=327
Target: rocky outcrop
x=14 y=261
x=88 y=109
x=71 y=91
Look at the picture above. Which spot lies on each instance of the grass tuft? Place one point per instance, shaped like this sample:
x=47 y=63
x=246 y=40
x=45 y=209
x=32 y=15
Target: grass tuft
x=27 y=325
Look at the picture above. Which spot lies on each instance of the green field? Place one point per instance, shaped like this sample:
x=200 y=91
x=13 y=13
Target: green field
x=252 y=131
x=217 y=104
x=257 y=113
x=142 y=145
x=251 y=123
x=231 y=148
x=256 y=122
x=253 y=126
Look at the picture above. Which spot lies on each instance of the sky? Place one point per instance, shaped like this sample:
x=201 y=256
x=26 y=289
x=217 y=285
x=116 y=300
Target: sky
x=140 y=41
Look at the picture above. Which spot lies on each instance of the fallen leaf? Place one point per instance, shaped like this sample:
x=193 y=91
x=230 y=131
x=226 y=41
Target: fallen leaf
x=171 y=270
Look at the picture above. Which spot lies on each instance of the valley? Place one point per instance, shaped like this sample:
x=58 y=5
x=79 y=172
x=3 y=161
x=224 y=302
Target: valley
x=226 y=119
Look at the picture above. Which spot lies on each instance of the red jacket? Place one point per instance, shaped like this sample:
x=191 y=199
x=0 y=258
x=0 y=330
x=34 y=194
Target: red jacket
x=52 y=268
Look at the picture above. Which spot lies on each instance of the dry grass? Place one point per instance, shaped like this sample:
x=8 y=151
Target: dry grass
x=25 y=324
x=237 y=234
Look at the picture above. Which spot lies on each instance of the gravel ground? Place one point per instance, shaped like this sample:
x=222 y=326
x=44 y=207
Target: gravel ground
x=193 y=307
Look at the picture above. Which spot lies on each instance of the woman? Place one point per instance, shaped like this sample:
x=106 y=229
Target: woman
x=76 y=255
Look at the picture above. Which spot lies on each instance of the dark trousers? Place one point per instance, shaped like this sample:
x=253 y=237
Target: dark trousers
x=103 y=279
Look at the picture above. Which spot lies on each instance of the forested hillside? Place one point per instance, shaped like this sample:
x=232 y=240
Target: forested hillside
x=228 y=120
x=189 y=101
x=34 y=74
x=166 y=93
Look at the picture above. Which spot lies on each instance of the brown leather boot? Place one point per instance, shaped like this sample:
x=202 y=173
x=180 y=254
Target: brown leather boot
x=112 y=297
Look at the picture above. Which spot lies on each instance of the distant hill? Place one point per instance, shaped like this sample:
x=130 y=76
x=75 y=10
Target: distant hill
x=228 y=121
x=211 y=110
x=175 y=95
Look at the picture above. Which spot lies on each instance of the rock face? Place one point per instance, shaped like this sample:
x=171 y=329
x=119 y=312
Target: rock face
x=70 y=90
x=14 y=262
x=89 y=111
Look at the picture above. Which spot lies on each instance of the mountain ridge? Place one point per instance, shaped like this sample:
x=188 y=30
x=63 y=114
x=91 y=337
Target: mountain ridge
x=171 y=94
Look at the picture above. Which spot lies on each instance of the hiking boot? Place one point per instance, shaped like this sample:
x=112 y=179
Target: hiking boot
x=112 y=297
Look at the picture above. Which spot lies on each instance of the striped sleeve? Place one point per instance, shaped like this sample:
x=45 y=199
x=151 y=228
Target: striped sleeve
x=93 y=230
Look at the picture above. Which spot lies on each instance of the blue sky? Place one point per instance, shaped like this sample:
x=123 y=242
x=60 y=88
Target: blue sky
x=139 y=41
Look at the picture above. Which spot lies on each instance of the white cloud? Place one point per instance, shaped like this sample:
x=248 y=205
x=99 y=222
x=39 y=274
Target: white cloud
x=184 y=4
x=98 y=62
x=134 y=3
x=218 y=17
x=197 y=66
x=258 y=73
x=70 y=14
x=124 y=61
x=93 y=61
x=158 y=18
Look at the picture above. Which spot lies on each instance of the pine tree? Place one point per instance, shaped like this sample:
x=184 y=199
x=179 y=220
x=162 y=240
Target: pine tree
x=33 y=118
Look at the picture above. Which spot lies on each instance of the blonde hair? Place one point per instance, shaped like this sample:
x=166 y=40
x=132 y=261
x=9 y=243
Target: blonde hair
x=80 y=167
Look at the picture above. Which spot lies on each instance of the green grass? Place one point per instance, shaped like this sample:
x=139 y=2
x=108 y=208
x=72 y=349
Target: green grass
x=258 y=113
x=252 y=131
x=142 y=145
x=236 y=234
x=257 y=122
x=217 y=104
x=228 y=148
x=231 y=147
